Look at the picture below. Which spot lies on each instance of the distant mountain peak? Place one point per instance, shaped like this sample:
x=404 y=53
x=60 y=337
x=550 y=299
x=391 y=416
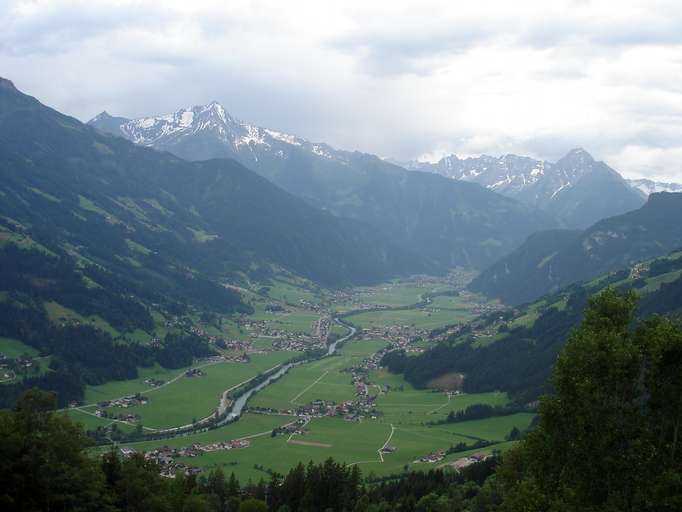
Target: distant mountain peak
x=562 y=185
x=577 y=157
x=207 y=131
x=101 y=116
x=7 y=84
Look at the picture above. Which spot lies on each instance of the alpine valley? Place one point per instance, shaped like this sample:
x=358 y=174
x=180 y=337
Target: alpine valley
x=188 y=296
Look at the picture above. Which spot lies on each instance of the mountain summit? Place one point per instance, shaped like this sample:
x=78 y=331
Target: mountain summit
x=203 y=132
x=578 y=189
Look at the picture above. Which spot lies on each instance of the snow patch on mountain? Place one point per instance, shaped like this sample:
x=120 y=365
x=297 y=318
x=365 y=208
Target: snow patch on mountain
x=647 y=187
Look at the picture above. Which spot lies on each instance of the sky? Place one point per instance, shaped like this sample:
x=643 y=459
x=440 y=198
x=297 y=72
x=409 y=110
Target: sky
x=407 y=80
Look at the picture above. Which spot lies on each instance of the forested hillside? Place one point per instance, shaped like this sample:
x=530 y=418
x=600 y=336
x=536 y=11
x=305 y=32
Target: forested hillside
x=551 y=260
x=515 y=351
x=102 y=242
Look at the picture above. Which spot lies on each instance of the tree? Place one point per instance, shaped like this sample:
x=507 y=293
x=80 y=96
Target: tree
x=608 y=439
x=253 y=505
x=42 y=465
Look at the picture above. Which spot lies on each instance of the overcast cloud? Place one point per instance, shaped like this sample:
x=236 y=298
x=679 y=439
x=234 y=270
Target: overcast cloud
x=399 y=79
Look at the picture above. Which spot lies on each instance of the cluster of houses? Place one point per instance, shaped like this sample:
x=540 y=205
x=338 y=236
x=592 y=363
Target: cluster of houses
x=296 y=427
x=468 y=461
x=284 y=340
x=238 y=346
x=154 y=383
x=167 y=466
x=194 y=372
x=311 y=306
x=639 y=270
x=165 y=456
x=128 y=418
x=431 y=457
x=125 y=402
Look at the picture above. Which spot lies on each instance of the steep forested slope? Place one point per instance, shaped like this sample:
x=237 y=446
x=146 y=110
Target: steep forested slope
x=551 y=260
x=515 y=351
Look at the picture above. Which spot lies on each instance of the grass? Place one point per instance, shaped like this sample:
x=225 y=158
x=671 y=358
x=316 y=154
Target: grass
x=392 y=295
x=291 y=293
x=348 y=442
x=491 y=429
x=322 y=379
x=13 y=348
x=654 y=283
x=91 y=422
x=57 y=313
x=192 y=398
x=419 y=318
x=402 y=410
x=292 y=321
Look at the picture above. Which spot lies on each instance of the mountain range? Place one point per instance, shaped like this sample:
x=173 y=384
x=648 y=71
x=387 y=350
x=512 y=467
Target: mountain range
x=551 y=260
x=576 y=189
x=449 y=223
x=116 y=204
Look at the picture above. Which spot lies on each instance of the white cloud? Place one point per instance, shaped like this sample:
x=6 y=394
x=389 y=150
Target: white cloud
x=396 y=78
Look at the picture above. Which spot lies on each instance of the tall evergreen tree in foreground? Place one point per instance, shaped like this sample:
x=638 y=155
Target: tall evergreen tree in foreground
x=609 y=438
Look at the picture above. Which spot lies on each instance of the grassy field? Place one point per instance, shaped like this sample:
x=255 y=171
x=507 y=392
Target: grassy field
x=392 y=295
x=56 y=313
x=419 y=318
x=404 y=414
x=12 y=348
x=187 y=398
x=296 y=321
x=322 y=379
x=91 y=422
x=291 y=293
x=349 y=442
x=419 y=406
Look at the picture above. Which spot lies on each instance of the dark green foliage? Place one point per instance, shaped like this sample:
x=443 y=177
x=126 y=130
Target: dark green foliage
x=42 y=465
x=608 y=439
x=180 y=350
x=481 y=411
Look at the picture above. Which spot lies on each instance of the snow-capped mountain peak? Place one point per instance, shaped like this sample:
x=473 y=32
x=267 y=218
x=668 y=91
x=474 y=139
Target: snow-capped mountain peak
x=537 y=182
x=206 y=131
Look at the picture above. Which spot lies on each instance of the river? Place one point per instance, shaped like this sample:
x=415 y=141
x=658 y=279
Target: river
x=240 y=402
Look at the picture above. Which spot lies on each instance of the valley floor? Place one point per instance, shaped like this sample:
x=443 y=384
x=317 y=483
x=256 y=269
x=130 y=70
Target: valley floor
x=343 y=406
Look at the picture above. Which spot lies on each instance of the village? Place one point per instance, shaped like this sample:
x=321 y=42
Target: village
x=165 y=456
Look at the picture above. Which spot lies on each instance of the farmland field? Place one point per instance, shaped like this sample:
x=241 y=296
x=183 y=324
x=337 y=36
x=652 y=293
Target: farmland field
x=321 y=379
x=419 y=318
x=188 y=398
x=402 y=417
x=13 y=348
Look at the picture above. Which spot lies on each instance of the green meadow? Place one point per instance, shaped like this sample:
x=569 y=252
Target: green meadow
x=418 y=318
x=185 y=399
x=12 y=348
x=321 y=379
